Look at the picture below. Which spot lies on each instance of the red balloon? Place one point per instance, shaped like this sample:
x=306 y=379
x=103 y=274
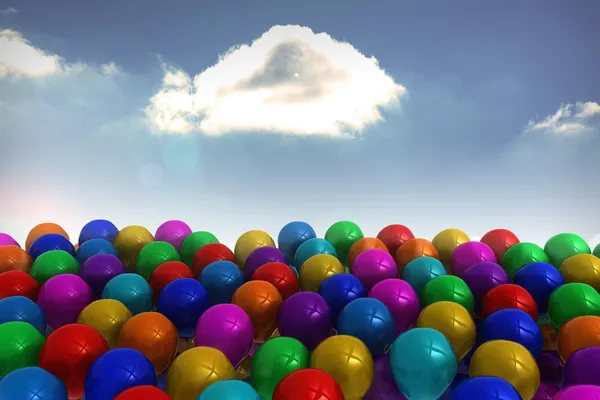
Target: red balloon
x=69 y=352
x=143 y=392
x=499 y=241
x=209 y=253
x=394 y=236
x=508 y=296
x=166 y=273
x=308 y=384
x=279 y=275
x=18 y=283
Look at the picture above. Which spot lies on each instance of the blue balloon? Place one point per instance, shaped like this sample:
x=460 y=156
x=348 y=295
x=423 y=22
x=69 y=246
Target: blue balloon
x=221 y=279
x=457 y=381
x=292 y=236
x=539 y=279
x=130 y=289
x=423 y=363
x=183 y=301
x=516 y=326
x=230 y=390
x=93 y=247
x=485 y=388
x=116 y=371
x=20 y=308
x=52 y=241
x=32 y=383
x=310 y=248
x=421 y=270
x=98 y=229
x=370 y=321
x=339 y=290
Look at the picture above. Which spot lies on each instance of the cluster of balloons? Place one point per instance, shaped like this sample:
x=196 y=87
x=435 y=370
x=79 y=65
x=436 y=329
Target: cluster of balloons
x=179 y=315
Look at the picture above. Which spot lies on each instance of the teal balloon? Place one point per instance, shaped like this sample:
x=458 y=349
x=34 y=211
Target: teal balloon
x=423 y=363
x=312 y=247
x=421 y=270
x=230 y=390
x=132 y=290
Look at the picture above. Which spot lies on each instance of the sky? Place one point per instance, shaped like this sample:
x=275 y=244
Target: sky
x=238 y=115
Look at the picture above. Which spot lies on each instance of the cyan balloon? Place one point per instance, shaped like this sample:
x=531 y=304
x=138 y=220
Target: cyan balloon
x=423 y=363
x=230 y=390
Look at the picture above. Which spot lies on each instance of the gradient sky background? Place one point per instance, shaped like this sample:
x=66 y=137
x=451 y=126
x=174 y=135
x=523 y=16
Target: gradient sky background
x=476 y=115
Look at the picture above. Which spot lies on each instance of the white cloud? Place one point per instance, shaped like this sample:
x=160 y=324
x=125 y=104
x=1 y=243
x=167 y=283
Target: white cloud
x=568 y=119
x=289 y=80
x=8 y=11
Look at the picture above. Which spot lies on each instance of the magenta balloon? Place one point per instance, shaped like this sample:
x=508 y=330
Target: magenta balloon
x=228 y=328
x=62 y=298
x=7 y=240
x=173 y=232
x=373 y=266
x=401 y=299
x=579 y=392
x=468 y=254
x=383 y=386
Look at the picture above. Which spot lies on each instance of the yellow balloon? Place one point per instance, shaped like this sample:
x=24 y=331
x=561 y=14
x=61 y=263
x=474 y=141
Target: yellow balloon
x=195 y=369
x=454 y=321
x=249 y=242
x=582 y=268
x=447 y=241
x=318 y=268
x=509 y=361
x=107 y=316
x=348 y=361
x=129 y=242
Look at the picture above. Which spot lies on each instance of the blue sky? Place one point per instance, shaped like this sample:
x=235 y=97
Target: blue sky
x=474 y=116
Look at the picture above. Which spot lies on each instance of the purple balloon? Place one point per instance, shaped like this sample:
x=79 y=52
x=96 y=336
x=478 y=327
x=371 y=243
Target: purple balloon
x=97 y=270
x=468 y=254
x=173 y=232
x=580 y=392
x=582 y=367
x=401 y=299
x=306 y=317
x=546 y=391
x=62 y=298
x=7 y=240
x=550 y=366
x=228 y=328
x=482 y=277
x=262 y=256
x=373 y=266
x=383 y=386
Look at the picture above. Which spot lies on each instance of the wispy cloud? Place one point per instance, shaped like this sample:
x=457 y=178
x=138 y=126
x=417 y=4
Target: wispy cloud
x=568 y=119
x=5 y=12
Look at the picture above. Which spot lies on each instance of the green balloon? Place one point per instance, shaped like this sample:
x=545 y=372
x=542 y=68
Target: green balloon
x=565 y=245
x=193 y=243
x=154 y=254
x=274 y=360
x=20 y=346
x=342 y=235
x=448 y=288
x=521 y=254
x=572 y=300
x=52 y=263
x=597 y=251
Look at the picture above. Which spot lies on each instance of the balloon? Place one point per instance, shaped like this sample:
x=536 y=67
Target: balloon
x=540 y=280
x=228 y=328
x=550 y=366
x=374 y=266
x=485 y=388
x=582 y=268
x=183 y=301
x=143 y=392
x=32 y=383
x=49 y=242
x=572 y=300
x=468 y=254
x=98 y=229
x=249 y=242
x=261 y=301
x=521 y=254
x=448 y=288
x=394 y=236
x=69 y=353
x=112 y=373
x=43 y=229
x=18 y=283
x=400 y=299
x=193 y=243
x=339 y=290
x=7 y=240
x=275 y=359
x=597 y=250
x=509 y=361
x=516 y=326
x=454 y=321
x=221 y=279
x=305 y=316
x=279 y=275
x=230 y=390
x=342 y=235
x=348 y=361
x=312 y=247
x=166 y=273
x=370 y=321
x=317 y=269
x=546 y=390
x=262 y=256
x=194 y=370
x=14 y=258
x=63 y=298
x=152 y=255
x=362 y=245
x=421 y=270
x=98 y=270
x=53 y=263
x=94 y=247
x=129 y=242
x=383 y=387
x=20 y=345
x=132 y=290
x=578 y=333
x=582 y=367
x=423 y=363
x=107 y=316
x=499 y=241
x=306 y=384
x=563 y=246
x=173 y=232
x=20 y=308
x=292 y=236
x=447 y=241
x=482 y=277
x=508 y=296
x=211 y=253
x=579 y=392
x=414 y=248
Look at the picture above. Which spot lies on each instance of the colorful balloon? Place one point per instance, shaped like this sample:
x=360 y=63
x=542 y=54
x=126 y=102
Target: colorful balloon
x=98 y=270
x=561 y=247
x=132 y=290
x=414 y=248
x=94 y=247
x=521 y=254
x=508 y=296
x=339 y=290
x=317 y=269
x=485 y=388
x=374 y=266
x=482 y=277
x=305 y=384
x=106 y=316
x=306 y=317
x=211 y=253
x=540 y=280
x=468 y=254
x=448 y=288
x=183 y=301
x=597 y=250
x=49 y=242
x=20 y=345
x=421 y=270
x=400 y=299
x=14 y=258
x=516 y=326
x=18 y=283
x=62 y=298
x=129 y=242
x=394 y=236
x=579 y=392
x=312 y=247
x=143 y=392
x=292 y=236
x=342 y=235
x=152 y=255
x=43 y=229
x=582 y=366
x=221 y=279
x=193 y=243
x=582 y=268
x=262 y=256
x=578 y=333
x=447 y=241
x=279 y=275
x=20 y=308
x=572 y=300
x=173 y=232
x=249 y=242
x=7 y=240
x=98 y=229
x=53 y=263
x=550 y=366
x=230 y=390
x=362 y=245
x=499 y=241
x=166 y=273
x=383 y=387
x=32 y=383
x=261 y=301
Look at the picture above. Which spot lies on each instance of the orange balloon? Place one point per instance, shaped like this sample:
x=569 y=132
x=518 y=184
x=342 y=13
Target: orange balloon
x=577 y=334
x=363 y=245
x=14 y=258
x=261 y=301
x=153 y=335
x=76 y=246
x=41 y=230
x=414 y=248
